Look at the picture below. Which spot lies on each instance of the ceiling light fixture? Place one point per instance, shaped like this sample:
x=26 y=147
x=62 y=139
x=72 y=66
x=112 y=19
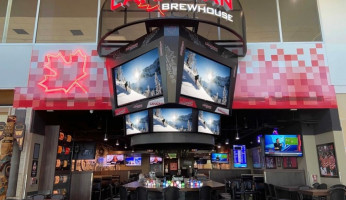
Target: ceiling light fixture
x=117 y=143
x=218 y=145
x=227 y=141
x=105 y=139
x=125 y=146
x=236 y=127
x=133 y=150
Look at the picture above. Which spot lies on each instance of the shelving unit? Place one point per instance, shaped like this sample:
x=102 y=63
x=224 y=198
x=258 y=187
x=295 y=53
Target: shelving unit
x=62 y=175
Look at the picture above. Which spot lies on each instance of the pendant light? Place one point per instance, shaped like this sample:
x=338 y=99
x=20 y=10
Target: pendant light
x=105 y=138
x=227 y=141
x=117 y=143
x=236 y=127
x=125 y=146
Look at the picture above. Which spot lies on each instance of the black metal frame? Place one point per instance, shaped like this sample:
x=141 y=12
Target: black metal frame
x=159 y=22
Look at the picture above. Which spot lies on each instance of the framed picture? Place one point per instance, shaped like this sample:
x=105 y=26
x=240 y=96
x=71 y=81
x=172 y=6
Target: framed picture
x=290 y=163
x=327 y=163
x=278 y=161
x=270 y=162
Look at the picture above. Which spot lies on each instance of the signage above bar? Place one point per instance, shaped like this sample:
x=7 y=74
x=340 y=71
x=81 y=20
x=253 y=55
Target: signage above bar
x=159 y=6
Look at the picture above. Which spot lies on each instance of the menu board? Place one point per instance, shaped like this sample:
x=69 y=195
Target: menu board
x=239 y=156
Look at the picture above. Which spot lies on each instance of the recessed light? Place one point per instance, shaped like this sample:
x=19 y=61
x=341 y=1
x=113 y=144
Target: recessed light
x=20 y=31
x=76 y=32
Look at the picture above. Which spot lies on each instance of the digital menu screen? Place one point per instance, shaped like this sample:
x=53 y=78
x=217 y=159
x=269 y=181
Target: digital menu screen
x=239 y=156
x=138 y=79
x=208 y=122
x=133 y=161
x=115 y=159
x=137 y=122
x=172 y=120
x=205 y=79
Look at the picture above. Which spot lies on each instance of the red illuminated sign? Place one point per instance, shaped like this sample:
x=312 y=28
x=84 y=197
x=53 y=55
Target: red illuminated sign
x=142 y=4
x=54 y=75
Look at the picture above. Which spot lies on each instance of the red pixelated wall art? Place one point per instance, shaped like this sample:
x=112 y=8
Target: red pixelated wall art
x=270 y=76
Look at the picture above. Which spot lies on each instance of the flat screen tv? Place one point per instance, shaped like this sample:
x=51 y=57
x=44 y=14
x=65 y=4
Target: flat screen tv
x=137 y=122
x=219 y=158
x=155 y=160
x=208 y=122
x=115 y=159
x=172 y=120
x=256 y=158
x=133 y=161
x=239 y=156
x=283 y=145
x=205 y=79
x=138 y=79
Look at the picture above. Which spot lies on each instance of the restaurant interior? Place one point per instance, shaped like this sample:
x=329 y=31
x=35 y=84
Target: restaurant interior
x=95 y=158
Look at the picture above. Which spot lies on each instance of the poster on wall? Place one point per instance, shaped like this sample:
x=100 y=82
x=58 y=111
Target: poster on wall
x=327 y=160
x=34 y=168
x=290 y=163
x=270 y=163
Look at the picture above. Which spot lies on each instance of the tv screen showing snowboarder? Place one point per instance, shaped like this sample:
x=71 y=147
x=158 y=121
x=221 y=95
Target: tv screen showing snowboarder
x=172 y=120
x=208 y=123
x=205 y=79
x=138 y=79
x=137 y=122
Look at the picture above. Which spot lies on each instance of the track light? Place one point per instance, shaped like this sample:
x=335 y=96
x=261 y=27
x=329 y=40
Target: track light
x=105 y=138
x=227 y=141
x=117 y=143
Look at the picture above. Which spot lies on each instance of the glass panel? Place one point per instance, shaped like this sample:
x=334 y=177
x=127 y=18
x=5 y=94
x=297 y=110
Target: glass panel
x=3 y=7
x=67 y=21
x=22 y=21
x=261 y=20
x=300 y=20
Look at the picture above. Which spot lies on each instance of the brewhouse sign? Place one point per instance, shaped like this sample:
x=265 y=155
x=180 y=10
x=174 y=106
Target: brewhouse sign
x=184 y=7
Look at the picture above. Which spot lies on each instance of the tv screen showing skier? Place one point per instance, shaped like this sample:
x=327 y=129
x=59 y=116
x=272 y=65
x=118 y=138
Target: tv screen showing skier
x=208 y=123
x=138 y=79
x=205 y=79
x=137 y=122
x=172 y=120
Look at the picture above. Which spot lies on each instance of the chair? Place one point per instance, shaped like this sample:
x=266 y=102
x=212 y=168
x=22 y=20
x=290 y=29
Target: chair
x=237 y=190
x=38 y=197
x=267 y=192
x=141 y=193
x=315 y=185
x=322 y=186
x=58 y=196
x=171 y=193
x=338 y=186
x=96 y=191
x=300 y=196
x=337 y=193
x=273 y=193
x=205 y=193
x=123 y=193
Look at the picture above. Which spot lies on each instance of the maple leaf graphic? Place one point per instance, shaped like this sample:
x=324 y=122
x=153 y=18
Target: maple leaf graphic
x=62 y=81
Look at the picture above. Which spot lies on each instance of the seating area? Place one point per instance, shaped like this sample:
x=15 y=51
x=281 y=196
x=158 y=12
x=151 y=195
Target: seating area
x=247 y=187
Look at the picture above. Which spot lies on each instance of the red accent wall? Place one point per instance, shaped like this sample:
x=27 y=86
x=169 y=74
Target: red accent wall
x=270 y=76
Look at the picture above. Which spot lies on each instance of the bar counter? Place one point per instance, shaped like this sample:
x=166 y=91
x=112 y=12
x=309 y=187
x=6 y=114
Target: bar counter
x=188 y=188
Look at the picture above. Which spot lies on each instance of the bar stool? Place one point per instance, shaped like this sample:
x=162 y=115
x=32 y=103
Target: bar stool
x=273 y=193
x=141 y=193
x=171 y=193
x=205 y=193
x=337 y=193
x=123 y=193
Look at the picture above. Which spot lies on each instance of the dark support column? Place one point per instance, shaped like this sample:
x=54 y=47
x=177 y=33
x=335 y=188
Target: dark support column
x=12 y=180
